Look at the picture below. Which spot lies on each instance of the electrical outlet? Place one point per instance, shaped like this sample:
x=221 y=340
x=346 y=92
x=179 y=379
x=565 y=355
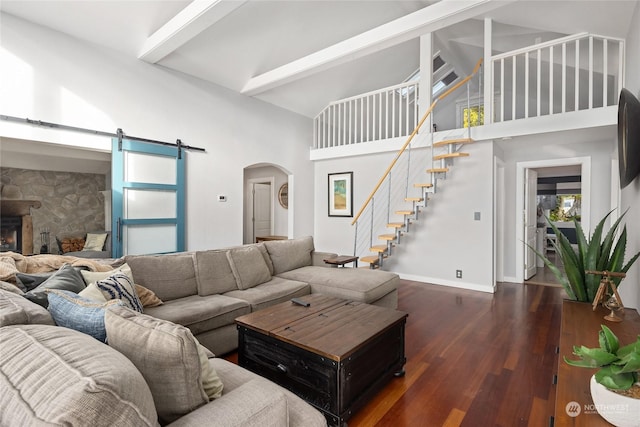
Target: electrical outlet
x=458 y=274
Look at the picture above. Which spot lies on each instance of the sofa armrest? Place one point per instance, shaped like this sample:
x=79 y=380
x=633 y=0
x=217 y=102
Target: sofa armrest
x=317 y=258
x=250 y=404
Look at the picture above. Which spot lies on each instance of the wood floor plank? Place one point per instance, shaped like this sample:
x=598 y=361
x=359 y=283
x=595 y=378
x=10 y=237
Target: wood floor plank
x=473 y=358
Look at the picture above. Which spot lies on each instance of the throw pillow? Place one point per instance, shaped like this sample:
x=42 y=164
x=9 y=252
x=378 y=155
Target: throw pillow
x=168 y=357
x=72 y=311
x=93 y=276
x=147 y=297
x=94 y=242
x=119 y=286
x=93 y=293
x=67 y=277
x=28 y=282
x=248 y=266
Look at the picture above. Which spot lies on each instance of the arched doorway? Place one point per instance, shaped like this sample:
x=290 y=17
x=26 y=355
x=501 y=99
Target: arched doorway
x=265 y=213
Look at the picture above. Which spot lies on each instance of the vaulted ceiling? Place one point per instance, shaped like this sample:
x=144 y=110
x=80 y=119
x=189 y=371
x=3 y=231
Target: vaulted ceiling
x=302 y=54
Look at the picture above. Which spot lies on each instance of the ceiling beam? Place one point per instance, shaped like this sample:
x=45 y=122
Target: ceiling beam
x=428 y=19
x=191 y=21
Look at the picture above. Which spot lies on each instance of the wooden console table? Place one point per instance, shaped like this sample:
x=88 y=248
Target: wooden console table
x=580 y=326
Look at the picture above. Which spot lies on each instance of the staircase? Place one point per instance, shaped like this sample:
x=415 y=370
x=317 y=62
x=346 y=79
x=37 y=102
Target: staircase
x=402 y=194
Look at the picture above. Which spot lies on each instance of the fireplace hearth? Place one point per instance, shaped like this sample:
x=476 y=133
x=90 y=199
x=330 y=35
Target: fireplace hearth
x=11 y=234
x=16 y=225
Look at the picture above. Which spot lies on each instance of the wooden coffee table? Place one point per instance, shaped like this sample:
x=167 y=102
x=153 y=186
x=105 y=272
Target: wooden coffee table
x=335 y=354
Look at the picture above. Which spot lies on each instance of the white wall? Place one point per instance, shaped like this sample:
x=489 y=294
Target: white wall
x=444 y=239
x=630 y=289
x=548 y=147
x=49 y=76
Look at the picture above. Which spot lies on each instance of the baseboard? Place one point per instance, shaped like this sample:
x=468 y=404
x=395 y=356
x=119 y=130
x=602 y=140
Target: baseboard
x=451 y=284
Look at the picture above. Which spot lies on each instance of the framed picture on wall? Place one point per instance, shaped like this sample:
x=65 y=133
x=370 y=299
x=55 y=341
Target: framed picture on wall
x=341 y=194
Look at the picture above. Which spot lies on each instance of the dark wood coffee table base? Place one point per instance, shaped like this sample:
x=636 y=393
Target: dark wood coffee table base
x=336 y=385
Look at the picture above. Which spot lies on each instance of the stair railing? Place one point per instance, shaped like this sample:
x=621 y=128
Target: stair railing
x=394 y=184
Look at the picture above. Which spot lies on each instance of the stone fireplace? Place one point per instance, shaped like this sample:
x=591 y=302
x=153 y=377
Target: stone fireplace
x=16 y=225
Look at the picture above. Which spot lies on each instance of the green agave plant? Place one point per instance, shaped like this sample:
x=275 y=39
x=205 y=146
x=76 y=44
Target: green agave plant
x=594 y=254
x=619 y=366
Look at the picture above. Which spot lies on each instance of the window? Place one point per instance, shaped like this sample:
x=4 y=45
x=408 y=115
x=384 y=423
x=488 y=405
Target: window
x=473 y=116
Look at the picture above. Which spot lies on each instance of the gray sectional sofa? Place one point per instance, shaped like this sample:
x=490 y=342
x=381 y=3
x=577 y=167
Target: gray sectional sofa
x=157 y=368
x=207 y=290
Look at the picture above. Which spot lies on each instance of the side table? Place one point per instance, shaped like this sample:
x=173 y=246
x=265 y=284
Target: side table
x=341 y=260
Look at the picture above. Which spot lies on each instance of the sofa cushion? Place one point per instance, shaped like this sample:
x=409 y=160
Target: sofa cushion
x=58 y=376
x=213 y=273
x=290 y=254
x=75 y=312
x=67 y=277
x=272 y=292
x=201 y=314
x=119 y=286
x=16 y=310
x=251 y=405
x=167 y=355
x=355 y=284
x=248 y=267
x=235 y=378
x=169 y=276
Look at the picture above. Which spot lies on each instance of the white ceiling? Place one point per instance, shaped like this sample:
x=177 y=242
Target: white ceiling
x=237 y=40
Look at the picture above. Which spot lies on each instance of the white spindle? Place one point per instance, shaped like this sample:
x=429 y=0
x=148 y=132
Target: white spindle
x=577 y=78
x=590 y=72
x=406 y=115
x=538 y=78
x=361 y=119
x=514 y=88
x=393 y=114
x=501 y=91
x=380 y=116
x=621 y=76
x=550 y=79
x=386 y=114
x=526 y=85
x=564 y=77
x=367 y=113
x=605 y=72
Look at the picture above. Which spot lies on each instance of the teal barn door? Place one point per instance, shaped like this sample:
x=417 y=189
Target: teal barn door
x=148 y=198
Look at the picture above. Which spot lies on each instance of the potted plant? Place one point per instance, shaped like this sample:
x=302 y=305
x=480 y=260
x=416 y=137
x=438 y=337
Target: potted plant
x=614 y=388
x=595 y=254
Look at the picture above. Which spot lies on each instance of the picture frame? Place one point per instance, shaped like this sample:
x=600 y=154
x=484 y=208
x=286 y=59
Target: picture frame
x=340 y=192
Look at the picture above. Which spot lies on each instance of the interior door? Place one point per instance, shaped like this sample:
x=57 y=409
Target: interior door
x=530 y=221
x=148 y=198
x=262 y=224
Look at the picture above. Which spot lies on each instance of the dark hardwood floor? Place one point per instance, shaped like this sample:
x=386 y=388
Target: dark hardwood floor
x=473 y=359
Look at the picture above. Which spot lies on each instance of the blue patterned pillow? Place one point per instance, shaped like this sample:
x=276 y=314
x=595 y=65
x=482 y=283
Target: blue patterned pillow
x=119 y=286
x=72 y=311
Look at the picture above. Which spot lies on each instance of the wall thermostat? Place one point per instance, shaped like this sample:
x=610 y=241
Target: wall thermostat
x=222 y=198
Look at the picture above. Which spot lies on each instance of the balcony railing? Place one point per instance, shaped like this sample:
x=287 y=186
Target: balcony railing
x=386 y=113
x=573 y=73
